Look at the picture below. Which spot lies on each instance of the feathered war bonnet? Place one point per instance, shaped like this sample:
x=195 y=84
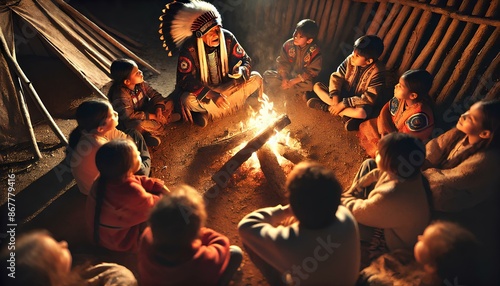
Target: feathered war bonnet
x=181 y=20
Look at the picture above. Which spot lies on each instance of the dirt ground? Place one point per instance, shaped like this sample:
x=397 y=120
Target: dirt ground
x=183 y=156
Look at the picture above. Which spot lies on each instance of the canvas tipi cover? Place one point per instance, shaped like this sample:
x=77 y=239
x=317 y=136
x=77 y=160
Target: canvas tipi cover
x=41 y=26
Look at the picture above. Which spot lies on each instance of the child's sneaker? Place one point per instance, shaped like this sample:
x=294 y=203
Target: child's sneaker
x=309 y=94
x=200 y=119
x=351 y=124
x=316 y=103
x=151 y=140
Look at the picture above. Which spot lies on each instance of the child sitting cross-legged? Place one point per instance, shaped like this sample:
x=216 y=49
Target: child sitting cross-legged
x=299 y=62
x=358 y=87
x=138 y=104
x=177 y=249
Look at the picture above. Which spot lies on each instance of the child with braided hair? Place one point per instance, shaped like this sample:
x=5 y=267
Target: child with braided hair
x=119 y=202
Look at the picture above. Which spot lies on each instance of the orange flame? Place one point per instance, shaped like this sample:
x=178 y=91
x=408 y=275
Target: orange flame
x=258 y=121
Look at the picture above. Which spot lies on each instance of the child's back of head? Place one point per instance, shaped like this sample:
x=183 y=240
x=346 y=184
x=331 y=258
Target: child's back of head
x=116 y=158
x=176 y=219
x=314 y=194
x=401 y=154
x=369 y=46
x=419 y=82
x=308 y=28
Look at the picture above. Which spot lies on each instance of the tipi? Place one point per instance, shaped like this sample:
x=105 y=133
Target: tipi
x=48 y=28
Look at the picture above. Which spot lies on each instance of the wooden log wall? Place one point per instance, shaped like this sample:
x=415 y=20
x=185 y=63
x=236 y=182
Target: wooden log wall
x=456 y=41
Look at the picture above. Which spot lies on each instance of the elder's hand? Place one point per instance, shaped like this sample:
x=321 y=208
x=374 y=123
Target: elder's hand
x=237 y=71
x=159 y=116
x=285 y=84
x=186 y=114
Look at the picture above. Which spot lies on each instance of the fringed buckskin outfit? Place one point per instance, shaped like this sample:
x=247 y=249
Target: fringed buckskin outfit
x=205 y=73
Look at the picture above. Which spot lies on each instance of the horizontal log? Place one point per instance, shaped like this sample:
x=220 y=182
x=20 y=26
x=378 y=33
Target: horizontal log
x=292 y=155
x=443 y=11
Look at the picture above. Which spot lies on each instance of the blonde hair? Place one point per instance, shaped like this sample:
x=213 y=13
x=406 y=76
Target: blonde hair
x=453 y=250
x=35 y=262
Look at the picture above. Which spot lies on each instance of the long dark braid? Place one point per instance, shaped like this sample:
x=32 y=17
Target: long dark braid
x=99 y=199
x=113 y=160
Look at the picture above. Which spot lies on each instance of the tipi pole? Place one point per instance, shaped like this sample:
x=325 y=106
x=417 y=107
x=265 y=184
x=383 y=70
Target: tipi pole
x=26 y=82
x=22 y=104
x=39 y=103
x=26 y=116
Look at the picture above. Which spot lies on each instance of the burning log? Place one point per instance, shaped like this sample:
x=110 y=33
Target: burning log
x=292 y=155
x=272 y=170
x=221 y=177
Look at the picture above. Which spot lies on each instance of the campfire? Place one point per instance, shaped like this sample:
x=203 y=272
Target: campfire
x=270 y=149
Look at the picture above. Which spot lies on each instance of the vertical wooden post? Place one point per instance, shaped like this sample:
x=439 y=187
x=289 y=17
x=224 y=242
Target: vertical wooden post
x=332 y=23
x=468 y=55
x=415 y=39
x=474 y=71
x=320 y=13
x=345 y=15
x=314 y=9
x=348 y=36
x=494 y=92
x=432 y=43
x=436 y=58
x=389 y=20
x=442 y=76
x=402 y=39
x=299 y=9
x=486 y=81
x=288 y=23
x=323 y=21
x=368 y=10
x=377 y=19
x=394 y=31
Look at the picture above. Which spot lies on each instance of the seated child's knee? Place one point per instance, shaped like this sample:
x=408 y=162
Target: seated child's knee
x=319 y=87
